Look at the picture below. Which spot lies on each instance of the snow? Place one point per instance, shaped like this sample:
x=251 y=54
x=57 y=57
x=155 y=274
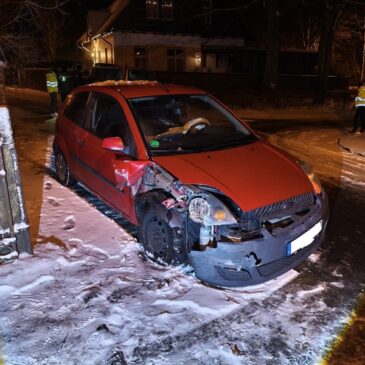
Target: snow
x=8 y=241
x=89 y=290
x=5 y=126
x=20 y=227
x=9 y=256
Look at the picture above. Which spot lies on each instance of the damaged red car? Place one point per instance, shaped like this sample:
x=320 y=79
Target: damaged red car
x=204 y=189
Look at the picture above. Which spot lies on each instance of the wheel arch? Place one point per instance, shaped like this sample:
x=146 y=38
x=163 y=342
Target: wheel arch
x=146 y=200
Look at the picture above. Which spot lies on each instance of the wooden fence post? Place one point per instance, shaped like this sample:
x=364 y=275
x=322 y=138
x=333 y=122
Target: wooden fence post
x=14 y=228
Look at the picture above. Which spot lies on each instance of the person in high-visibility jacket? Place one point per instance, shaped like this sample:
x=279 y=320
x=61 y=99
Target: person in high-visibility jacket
x=52 y=88
x=359 y=118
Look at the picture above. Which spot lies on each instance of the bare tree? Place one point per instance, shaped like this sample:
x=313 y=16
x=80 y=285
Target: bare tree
x=273 y=45
x=28 y=29
x=309 y=31
x=332 y=11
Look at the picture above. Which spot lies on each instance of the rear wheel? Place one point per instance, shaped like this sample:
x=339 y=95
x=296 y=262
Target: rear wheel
x=63 y=172
x=162 y=243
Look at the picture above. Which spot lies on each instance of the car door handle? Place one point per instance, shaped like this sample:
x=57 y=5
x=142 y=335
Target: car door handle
x=81 y=142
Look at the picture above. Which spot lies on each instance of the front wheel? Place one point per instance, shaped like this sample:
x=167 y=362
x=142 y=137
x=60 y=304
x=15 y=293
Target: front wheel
x=161 y=242
x=63 y=172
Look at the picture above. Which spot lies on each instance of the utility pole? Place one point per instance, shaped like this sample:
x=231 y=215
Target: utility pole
x=14 y=228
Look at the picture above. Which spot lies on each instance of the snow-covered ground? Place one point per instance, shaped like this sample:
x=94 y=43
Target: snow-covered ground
x=88 y=291
x=88 y=296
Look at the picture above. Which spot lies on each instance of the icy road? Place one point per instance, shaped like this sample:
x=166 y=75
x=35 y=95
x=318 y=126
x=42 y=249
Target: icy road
x=87 y=296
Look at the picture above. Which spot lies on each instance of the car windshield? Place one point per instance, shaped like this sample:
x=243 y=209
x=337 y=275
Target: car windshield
x=187 y=123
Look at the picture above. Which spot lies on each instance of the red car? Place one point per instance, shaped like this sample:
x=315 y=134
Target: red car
x=204 y=189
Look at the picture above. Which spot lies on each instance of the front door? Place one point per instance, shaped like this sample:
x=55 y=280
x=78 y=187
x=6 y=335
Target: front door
x=100 y=167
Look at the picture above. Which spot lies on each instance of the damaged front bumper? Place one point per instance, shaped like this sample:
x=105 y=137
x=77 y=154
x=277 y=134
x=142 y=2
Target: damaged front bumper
x=239 y=264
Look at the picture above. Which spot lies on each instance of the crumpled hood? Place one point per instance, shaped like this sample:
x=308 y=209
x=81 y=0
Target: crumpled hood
x=252 y=175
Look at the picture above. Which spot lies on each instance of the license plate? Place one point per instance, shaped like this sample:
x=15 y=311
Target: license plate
x=304 y=240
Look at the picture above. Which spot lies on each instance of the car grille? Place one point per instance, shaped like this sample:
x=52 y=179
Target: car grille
x=295 y=204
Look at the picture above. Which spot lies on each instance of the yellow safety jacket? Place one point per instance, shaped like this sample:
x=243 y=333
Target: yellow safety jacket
x=52 y=83
x=360 y=98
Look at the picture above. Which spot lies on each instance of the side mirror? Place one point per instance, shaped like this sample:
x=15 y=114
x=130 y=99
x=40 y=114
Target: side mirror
x=113 y=144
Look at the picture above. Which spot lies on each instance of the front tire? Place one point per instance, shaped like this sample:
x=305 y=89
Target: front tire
x=63 y=172
x=161 y=242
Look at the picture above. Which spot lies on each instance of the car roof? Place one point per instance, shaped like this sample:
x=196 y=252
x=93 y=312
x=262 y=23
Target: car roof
x=136 y=89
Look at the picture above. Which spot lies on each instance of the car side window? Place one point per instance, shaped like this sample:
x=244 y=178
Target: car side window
x=76 y=108
x=109 y=120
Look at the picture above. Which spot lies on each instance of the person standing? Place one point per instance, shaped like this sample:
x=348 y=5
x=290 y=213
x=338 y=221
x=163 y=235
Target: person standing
x=78 y=78
x=52 y=88
x=64 y=83
x=359 y=118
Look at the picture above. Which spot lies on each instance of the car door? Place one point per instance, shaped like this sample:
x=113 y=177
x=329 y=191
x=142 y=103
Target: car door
x=70 y=128
x=100 y=167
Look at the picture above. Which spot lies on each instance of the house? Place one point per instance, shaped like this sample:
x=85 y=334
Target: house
x=163 y=35
x=185 y=41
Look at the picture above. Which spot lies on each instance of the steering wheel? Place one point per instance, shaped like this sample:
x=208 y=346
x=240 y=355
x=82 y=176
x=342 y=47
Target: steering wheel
x=194 y=125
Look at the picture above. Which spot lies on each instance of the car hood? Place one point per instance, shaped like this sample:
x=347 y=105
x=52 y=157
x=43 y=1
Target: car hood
x=252 y=175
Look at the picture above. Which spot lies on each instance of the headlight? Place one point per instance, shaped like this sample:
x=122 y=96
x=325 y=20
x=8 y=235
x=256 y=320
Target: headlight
x=198 y=209
x=210 y=211
x=313 y=178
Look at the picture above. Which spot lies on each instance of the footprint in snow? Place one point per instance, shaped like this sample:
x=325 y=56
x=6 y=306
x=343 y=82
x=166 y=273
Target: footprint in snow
x=53 y=201
x=47 y=185
x=69 y=222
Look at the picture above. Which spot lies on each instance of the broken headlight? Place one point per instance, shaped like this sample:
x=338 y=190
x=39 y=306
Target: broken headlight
x=209 y=211
x=313 y=178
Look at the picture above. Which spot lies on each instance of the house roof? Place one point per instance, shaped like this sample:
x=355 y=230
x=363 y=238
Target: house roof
x=108 y=16
x=177 y=40
x=108 y=20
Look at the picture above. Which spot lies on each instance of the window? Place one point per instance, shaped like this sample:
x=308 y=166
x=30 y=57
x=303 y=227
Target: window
x=76 y=108
x=167 y=10
x=176 y=59
x=163 y=119
x=108 y=120
x=207 y=11
x=140 y=58
x=152 y=9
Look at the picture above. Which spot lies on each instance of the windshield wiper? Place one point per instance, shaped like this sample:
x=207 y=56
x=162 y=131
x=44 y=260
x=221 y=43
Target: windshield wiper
x=172 y=151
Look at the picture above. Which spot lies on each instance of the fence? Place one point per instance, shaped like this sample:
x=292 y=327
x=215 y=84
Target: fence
x=14 y=228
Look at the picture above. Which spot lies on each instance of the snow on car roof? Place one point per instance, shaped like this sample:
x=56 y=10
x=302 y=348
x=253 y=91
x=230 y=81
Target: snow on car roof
x=141 y=88
x=124 y=83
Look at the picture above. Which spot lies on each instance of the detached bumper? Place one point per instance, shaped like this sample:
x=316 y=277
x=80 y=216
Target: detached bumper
x=256 y=261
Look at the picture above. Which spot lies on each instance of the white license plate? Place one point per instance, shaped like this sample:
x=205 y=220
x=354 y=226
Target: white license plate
x=304 y=240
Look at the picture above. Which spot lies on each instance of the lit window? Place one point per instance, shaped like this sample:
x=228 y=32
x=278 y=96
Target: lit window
x=167 y=9
x=207 y=11
x=175 y=59
x=152 y=9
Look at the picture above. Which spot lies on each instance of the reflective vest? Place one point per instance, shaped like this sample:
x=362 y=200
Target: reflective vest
x=52 y=84
x=360 y=98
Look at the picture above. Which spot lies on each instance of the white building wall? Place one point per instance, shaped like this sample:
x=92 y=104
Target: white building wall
x=102 y=50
